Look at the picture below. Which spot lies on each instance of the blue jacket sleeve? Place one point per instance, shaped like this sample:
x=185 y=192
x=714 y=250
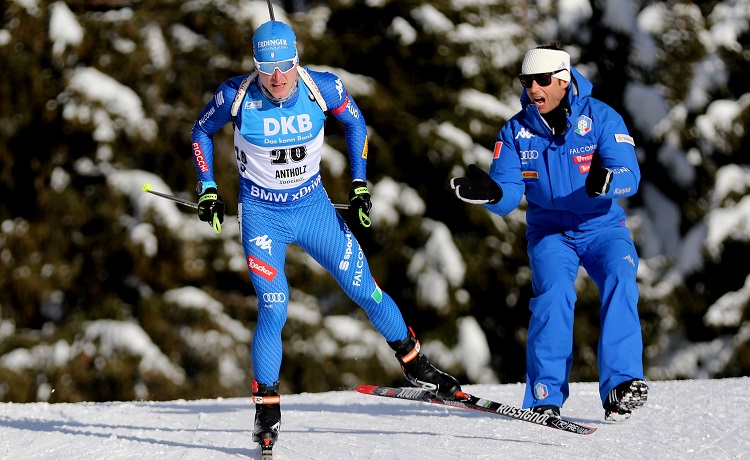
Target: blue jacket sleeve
x=213 y=117
x=505 y=169
x=342 y=106
x=617 y=151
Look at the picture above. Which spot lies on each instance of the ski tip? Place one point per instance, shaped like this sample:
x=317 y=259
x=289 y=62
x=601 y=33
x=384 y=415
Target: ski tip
x=366 y=389
x=146 y=187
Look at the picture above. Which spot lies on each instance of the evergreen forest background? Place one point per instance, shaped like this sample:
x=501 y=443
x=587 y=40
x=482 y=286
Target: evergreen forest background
x=106 y=294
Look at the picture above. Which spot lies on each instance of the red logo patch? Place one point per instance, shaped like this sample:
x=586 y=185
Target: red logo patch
x=200 y=160
x=498 y=147
x=261 y=268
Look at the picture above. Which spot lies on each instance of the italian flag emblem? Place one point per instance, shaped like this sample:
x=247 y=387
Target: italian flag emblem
x=377 y=294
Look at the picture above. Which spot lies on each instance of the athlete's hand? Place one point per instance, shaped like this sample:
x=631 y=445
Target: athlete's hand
x=359 y=202
x=477 y=187
x=211 y=208
x=599 y=178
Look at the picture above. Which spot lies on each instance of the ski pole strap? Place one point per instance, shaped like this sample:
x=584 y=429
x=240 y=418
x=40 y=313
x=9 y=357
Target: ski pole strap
x=216 y=224
x=364 y=219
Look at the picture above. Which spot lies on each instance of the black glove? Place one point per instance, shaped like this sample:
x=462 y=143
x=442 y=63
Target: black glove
x=477 y=187
x=599 y=178
x=359 y=202
x=211 y=208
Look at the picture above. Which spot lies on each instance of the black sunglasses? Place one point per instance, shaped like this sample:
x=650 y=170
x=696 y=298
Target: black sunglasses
x=542 y=79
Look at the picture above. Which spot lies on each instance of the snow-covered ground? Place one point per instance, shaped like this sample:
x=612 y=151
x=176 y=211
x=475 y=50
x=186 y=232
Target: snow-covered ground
x=691 y=419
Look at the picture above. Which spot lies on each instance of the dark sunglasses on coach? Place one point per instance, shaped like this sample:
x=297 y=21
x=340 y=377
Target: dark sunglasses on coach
x=541 y=79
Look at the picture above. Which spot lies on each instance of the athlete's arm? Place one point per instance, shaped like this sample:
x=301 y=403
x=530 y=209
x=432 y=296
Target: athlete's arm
x=342 y=106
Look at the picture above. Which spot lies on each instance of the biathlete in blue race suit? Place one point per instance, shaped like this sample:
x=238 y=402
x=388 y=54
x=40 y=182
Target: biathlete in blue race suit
x=278 y=140
x=572 y=156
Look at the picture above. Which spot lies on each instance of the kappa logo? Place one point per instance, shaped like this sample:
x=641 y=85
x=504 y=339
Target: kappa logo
x=629 y=258
x=524 y=134
x=263 y=242
x=340 y=88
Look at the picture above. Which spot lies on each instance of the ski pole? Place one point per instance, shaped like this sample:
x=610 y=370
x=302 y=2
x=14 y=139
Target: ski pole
x=147 y=188
x=215 y=224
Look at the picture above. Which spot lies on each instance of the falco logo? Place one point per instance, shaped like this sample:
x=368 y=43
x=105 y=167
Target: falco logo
x=263 y=242
x=259 y=267
x=524 y=133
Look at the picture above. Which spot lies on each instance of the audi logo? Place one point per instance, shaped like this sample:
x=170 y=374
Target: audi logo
x=529 y=154
x=274 y=297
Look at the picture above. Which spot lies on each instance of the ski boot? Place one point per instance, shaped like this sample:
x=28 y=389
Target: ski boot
x=421 y=373
x=552 y=411
x=624 y=398
x=267 y=416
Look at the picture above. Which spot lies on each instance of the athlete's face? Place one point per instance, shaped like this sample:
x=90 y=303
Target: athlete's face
x=547 y=98
x=279 y=84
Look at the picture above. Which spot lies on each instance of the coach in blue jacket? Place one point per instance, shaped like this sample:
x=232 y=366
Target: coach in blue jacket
x=572 y=156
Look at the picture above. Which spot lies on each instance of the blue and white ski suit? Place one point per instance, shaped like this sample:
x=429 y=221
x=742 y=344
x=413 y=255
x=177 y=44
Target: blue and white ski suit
x=282 y=200
x=566 y=228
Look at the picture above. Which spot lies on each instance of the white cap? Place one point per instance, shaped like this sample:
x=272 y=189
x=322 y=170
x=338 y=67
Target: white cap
x=542 y=60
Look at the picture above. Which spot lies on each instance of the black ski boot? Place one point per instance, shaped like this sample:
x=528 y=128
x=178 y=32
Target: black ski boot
x=624 y=398
x=421 y=373
x=267 y=414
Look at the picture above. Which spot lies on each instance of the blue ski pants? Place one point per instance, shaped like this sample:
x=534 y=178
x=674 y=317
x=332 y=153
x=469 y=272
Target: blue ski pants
x=311 y=222
x=610 y=259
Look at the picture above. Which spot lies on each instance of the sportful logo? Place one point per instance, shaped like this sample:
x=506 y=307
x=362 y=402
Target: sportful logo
x=348 y=251
x=524 y=133
x=263 y=242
